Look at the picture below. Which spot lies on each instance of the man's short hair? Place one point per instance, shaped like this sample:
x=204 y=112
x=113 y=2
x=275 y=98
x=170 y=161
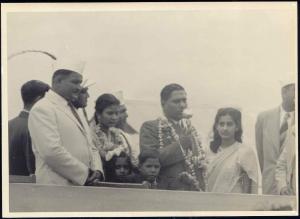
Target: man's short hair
x=167 y=91
x=62 y=74
x=33 y=89
x=146 y=154
x=285 y=87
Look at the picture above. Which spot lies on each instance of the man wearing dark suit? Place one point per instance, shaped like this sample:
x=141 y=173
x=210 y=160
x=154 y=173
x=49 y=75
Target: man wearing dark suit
x=21 y=157
x=270 y=132
x=158 y=136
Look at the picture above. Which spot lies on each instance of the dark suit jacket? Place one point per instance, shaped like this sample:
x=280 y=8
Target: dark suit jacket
x=171 y=156
x=21 y=157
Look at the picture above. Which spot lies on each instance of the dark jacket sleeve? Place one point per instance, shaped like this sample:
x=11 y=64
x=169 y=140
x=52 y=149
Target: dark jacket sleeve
x=259 y=140
x=30 y=159
x=169 y=154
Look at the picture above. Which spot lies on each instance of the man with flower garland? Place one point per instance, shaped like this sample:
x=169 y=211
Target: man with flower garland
x=181 y=154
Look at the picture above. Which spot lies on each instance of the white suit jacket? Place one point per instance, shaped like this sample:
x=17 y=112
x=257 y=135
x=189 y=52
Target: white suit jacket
x=285 y=170
x=268 y=147
x=63 y=149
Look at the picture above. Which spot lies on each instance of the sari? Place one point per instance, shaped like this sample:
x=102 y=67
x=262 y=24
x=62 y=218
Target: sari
x=233 y=170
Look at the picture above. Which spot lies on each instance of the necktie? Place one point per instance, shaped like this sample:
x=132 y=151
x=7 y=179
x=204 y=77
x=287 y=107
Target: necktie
x=283 y=128
x=75 y=114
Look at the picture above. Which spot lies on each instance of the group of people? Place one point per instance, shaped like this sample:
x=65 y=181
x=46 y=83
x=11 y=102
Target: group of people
x=54 y=139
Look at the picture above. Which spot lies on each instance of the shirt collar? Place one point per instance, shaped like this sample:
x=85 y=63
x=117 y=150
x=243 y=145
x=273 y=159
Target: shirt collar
x=25 y=111
x=171 y=120
x=283 y=112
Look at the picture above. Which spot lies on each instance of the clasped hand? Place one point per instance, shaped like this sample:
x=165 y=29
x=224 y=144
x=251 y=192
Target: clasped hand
x=94 y=177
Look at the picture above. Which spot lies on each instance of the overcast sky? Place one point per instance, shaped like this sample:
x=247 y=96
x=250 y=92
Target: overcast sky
x=224 y=56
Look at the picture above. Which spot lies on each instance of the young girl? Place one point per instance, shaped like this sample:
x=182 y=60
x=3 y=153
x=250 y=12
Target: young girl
x=119 y=169
x=233 y=168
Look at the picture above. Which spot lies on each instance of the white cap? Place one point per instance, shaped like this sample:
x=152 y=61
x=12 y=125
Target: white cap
x=287 y=79
x=119 y=96
x=68 y=64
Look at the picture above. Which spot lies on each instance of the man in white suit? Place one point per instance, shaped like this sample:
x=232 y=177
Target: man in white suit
x=65 y=154
x=285 y=173
x=270 y=131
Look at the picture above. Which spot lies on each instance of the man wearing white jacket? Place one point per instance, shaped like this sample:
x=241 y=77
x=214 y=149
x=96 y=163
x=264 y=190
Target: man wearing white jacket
x=285 y=173
x=65 y=154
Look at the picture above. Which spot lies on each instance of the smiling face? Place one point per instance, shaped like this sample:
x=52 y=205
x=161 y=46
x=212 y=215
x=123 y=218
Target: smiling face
x=174 y=106
x=226 y=128
x=109 y=116
x=150 y=169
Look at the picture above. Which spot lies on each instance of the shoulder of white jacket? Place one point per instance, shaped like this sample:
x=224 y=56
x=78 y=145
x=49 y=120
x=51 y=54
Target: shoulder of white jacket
x=269 y=112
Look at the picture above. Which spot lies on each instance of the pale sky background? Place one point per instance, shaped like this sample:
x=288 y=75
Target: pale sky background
x=223 y=57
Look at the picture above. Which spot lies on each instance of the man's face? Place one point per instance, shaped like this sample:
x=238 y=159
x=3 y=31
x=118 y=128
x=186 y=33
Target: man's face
x=150 y=169
x=70 y=86
x=175 y=105
x=288 y=97
x=122 y=114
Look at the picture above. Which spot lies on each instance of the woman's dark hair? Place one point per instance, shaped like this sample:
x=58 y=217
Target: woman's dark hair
x=236 y=117
x=111 y=166
x=104 y=101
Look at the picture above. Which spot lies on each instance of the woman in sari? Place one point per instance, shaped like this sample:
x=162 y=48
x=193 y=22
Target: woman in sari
x=109 y=140
x=233 y=167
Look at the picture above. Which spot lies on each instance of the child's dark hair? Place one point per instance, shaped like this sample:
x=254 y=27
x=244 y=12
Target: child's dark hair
x=145 y=154
x=124 y=155
x=236 y=117
x=109 y=166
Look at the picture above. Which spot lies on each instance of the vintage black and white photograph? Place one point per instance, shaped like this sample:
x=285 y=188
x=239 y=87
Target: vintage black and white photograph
x=149 y=109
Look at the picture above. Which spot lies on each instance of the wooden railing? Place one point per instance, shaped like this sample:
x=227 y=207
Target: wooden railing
x=29 y=197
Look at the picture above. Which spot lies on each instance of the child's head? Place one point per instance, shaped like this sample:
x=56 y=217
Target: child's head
x=149 y=164
x=121 y=166
x=228 y=125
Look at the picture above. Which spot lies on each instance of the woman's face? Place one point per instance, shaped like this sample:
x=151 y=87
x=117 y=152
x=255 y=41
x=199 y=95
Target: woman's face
x=226 y=127
x=109 y=116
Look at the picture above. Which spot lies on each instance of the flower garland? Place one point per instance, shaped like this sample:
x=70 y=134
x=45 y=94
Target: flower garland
x=195 y=158
x=110 y=144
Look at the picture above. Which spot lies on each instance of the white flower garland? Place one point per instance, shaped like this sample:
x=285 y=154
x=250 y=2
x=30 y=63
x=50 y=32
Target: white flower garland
x=191 y=161
x=111 y=144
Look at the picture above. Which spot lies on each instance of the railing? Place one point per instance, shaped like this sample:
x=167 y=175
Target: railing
x=115 y=197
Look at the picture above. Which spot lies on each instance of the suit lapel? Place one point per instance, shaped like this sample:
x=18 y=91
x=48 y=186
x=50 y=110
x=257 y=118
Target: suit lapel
x=63 y=107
